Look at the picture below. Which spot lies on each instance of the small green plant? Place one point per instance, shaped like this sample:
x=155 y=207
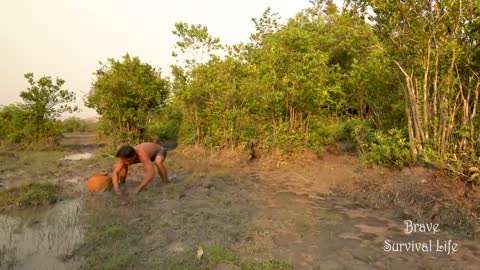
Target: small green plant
x=323 y=132
x=378 y=147
x=215 y=255
x=101 y=239
x=352 y=128
x=104 y=233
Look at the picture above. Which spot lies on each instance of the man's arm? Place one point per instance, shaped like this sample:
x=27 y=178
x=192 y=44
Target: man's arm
x=148 y=166
x=116 y=173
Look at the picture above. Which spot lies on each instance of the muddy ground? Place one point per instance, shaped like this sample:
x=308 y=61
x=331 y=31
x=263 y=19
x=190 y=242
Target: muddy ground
x=219 y=213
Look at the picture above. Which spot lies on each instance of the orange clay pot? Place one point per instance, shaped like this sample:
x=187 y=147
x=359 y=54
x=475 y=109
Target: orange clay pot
x=99 y=182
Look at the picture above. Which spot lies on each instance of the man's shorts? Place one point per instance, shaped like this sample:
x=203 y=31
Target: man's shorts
x=162 y=152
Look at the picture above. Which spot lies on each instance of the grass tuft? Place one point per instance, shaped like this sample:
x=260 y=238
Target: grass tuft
x=33 y=194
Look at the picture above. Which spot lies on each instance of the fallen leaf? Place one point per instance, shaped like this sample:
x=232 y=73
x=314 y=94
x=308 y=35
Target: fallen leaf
x=199 y=252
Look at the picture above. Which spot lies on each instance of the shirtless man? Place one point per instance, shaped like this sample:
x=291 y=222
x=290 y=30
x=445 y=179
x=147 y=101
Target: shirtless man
x=147 y=153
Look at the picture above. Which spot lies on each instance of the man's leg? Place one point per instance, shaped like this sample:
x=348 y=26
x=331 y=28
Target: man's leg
x=162 y=171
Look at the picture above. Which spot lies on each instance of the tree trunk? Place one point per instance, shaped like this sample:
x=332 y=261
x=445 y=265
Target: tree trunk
x=411 y=136
x=425 y=91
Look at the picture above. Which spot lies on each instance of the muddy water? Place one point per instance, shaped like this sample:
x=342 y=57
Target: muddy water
x=40 y=238
x=82 y=141
x=79 y=139
x=80 y=156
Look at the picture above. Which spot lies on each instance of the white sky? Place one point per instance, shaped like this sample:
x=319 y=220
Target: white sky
x=67 y=38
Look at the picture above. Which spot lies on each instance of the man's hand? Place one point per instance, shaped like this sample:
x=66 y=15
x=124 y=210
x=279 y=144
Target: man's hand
x=122 y=198
x=115 y=176
x=120 y=192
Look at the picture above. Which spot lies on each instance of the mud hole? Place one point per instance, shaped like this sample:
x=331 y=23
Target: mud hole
x=252 y=216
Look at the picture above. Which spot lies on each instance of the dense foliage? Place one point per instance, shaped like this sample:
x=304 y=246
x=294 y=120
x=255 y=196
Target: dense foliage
x=291 y=87
x=408 y=67
x=34 y=122
x=127 y=95
x=434 y=48
x=76 y=124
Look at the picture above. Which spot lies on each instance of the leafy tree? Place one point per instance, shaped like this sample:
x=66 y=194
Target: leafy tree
x=195 y=47
x=266 y=25
x=13 y=120
x=33 y=122
x=278 y=88
x=127 y=94
x=47 y=100
x=295 y=77
x=431 y=44
x=195 y=42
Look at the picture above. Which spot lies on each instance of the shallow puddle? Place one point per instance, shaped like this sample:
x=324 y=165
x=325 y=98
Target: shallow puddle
x=80 y=156
x=40 y=238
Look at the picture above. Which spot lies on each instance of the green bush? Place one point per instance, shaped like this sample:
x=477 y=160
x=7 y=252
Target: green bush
x=282 y=138
x=33 y=123
x=353 y=127
x=166 y=125
x=323 y=132
x=19 y=129
x=75 y=124
x=378 y=147
x=127 y=95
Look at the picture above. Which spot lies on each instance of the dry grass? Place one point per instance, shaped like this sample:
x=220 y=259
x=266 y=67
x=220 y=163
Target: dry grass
x=428 y=197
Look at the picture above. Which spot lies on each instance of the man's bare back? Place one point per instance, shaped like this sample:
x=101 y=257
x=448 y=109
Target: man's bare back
x=147 y=153
x=150 y=149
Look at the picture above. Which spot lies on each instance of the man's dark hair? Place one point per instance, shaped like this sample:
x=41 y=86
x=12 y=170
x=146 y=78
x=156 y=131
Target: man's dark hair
x=126 y=151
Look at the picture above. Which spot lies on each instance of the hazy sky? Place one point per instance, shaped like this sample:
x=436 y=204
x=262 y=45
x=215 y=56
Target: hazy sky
x=67 y=38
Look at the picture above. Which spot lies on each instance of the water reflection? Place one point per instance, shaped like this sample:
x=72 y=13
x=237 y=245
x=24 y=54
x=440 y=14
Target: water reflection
x=39 y=238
